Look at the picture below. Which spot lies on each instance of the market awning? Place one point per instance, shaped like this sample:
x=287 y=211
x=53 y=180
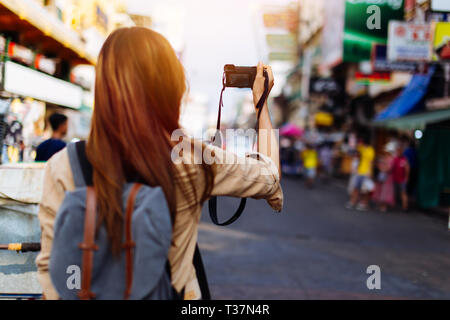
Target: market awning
x=43 y=30
x=409 y=99
x=415 y=121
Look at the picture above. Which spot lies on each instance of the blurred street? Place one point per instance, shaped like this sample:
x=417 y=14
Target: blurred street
x=356 y=91
x=317 y=249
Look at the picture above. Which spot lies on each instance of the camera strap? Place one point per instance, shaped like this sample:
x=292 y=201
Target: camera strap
x=212 y=203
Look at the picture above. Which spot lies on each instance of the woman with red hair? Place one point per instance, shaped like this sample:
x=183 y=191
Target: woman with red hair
x=139 y=87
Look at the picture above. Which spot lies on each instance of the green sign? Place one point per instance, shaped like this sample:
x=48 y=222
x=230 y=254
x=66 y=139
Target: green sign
x=366 y=24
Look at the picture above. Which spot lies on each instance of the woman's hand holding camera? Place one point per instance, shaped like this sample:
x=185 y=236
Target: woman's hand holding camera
x=258 y=85
x=267 y=141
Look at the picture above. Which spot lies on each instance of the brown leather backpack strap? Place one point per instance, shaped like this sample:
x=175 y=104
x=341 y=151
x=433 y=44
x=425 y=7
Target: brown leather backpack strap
x=129 y=243
x=88 y=245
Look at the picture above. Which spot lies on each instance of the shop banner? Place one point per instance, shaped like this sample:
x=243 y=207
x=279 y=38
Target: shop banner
x=366 y=24
x=441 y=41
x=409 y=41
x=282 y=42
x=332 y=33
x=375 y=77
x=381 y=63
x=26 y=82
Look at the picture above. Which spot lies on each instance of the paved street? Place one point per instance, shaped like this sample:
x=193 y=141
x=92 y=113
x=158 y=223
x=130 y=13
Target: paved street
x=317 y=249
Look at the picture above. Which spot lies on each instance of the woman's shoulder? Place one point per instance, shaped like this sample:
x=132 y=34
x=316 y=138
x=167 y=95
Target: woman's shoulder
x=58 y=166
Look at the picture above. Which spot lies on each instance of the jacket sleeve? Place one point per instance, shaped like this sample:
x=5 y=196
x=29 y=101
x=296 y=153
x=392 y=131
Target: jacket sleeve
x=53 y=195
x=254 y=176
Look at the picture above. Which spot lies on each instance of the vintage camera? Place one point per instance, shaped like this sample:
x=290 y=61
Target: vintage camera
x=239 y=77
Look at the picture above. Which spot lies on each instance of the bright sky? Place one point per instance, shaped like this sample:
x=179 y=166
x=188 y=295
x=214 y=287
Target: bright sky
x=214 y=33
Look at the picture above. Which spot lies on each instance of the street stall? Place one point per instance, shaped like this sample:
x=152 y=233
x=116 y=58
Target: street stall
x=20 y=192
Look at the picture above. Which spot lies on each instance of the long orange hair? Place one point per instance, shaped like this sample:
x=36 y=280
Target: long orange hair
x=138 y=91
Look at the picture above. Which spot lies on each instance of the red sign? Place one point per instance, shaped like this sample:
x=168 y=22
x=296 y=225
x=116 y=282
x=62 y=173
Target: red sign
x=373 y=77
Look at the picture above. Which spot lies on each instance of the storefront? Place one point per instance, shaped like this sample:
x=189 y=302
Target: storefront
x=38 y=53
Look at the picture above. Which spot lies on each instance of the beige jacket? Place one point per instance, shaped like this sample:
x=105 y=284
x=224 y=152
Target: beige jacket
x=255 y=178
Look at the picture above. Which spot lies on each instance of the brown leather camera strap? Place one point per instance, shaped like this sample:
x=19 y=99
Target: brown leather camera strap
x=88 y=245
x=129 y=243
x=212 y=203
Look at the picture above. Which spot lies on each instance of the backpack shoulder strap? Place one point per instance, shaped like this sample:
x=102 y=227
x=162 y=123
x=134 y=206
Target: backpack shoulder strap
x=79 y=164
x=88 y=245
x=129 y=243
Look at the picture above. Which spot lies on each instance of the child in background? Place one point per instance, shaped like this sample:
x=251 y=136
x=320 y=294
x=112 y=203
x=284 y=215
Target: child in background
x=361 y=190
x=400 y=175
x=326 y=160
x=384 y=191
x=310 y=162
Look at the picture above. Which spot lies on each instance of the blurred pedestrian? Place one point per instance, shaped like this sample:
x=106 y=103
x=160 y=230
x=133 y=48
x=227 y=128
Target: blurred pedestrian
x=384 y=189
x=411 y=154
x=363 y=183
x=400 y=175
x=48 y=148
x=326 y=160
x=354 y=163
x=310 y=163
x=136 y=112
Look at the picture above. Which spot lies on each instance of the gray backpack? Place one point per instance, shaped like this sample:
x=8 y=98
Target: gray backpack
x=81 y=263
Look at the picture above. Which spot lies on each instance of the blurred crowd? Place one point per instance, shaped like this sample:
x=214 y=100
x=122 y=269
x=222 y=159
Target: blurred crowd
x=383 y=179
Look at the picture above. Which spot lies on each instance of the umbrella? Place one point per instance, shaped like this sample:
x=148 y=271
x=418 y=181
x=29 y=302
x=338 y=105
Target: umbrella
x=291 y=130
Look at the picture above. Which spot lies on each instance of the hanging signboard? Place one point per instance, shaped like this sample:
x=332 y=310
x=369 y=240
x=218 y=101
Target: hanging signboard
x=440 y=5
x=332 y=34
x=380 y=62
x=27 y=82
x=45 y=64
x=409 y=41
x=20 y=53
x=366 y=24
x=441 y=41
x=282 y=56
x=375 y=77
x=284 y=17
x=284 y=42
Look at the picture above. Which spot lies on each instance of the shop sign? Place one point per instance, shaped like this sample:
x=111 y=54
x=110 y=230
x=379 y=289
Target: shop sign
x=409 y=41
x=45 y=64
x=27 y=82
x=282 y=56
x=366 y=24
x=440 y=5
x=439 y=16
x=285 y=42
x=441 y=41
x=285 y=18
x=381 y=63
x=20 y=53
x=332 y=34
x=375 y=77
